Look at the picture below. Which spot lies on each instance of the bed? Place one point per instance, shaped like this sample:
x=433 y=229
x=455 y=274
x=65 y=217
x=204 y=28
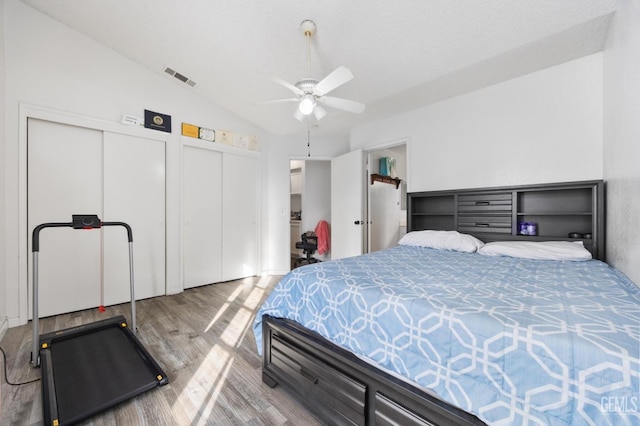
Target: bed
x=457 y=332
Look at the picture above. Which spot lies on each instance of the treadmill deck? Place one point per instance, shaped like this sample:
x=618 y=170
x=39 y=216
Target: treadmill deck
x=90 y=368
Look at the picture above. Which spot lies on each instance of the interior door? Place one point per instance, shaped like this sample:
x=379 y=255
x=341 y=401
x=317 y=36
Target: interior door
x=347 y=212
x=78 y=170
x=240 y=174
x=64 y=178
x=134 y=192
x=202 y=210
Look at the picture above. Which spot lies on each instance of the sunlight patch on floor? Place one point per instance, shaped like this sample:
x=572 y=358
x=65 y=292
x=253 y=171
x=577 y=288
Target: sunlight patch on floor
x=237 y=327
x=224 y=307
x=254 y=298
x=205 y=385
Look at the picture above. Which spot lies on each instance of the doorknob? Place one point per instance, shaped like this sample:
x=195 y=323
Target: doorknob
x=359 y=222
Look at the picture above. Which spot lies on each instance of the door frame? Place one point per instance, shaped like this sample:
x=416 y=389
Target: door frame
x=298 y=158
x=367 y=172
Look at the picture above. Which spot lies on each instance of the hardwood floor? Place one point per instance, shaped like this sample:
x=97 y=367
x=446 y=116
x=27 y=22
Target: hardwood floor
x=203 y=340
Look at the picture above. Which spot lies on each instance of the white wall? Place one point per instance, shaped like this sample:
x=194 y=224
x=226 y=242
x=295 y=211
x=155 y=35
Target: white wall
x=3 y=278
x=276 y=156
x=622 y=139
x=542 y=127
x=49 y=64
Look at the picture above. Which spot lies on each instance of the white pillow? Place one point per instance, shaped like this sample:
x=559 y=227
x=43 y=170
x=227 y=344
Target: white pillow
x=443 y=240
x=543 y=250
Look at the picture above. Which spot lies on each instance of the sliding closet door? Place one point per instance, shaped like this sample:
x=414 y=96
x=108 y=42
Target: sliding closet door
x=240 y=180
x=134 y=192
x=77 y=170
x=202 y=213
x=64 y=177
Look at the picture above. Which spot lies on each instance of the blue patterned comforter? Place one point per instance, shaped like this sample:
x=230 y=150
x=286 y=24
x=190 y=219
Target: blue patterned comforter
x=513 y=341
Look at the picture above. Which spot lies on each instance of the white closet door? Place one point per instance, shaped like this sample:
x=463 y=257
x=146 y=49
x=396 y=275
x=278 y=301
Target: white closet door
x=134 y=193
x=64 y=178
x=240 y=216
x=202 y=213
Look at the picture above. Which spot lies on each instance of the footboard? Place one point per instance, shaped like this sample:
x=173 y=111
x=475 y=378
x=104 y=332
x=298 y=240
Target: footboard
x=340 y=388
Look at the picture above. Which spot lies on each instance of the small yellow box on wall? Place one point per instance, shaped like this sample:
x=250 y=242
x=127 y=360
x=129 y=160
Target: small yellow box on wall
x=190 y=130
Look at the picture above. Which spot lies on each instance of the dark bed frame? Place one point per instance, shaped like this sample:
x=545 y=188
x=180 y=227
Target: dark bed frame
x=340 y=388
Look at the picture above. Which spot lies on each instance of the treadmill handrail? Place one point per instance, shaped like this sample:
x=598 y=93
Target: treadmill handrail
x=79 y=222
x=35 y=242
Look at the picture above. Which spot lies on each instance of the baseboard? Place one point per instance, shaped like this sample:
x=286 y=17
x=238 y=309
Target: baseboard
x=4 y=326
x=276 y=272
x=15 y=322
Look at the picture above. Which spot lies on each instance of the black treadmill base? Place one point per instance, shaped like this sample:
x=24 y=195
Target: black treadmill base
x=90 y=368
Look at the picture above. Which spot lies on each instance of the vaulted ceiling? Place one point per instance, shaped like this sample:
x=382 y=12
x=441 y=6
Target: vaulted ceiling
x=404 y=54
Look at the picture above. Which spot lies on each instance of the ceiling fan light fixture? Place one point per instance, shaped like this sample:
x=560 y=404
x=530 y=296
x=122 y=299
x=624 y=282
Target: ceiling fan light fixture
x=298 y=115
x=319 y=112
x=311 y=94
x=306 y=104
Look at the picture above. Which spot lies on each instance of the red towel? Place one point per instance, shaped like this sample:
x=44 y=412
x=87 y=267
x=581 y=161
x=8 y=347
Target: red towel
x=322 y=232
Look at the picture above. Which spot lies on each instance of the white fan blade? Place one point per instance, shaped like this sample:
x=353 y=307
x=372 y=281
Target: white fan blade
x=338 y=77
x=343 y=104
x=319 y=112
x=289 y=86
x=279 y=100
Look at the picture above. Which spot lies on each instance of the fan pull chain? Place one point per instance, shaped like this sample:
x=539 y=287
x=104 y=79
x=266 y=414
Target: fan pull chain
x=308 y=141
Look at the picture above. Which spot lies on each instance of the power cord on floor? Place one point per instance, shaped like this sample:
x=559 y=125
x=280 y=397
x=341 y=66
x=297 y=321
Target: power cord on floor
x=6 y=378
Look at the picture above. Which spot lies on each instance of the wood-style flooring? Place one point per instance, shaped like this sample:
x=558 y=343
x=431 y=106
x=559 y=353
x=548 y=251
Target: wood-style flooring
x=203 y=340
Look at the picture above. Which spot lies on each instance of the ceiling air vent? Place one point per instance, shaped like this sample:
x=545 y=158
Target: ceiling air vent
x=180 y=77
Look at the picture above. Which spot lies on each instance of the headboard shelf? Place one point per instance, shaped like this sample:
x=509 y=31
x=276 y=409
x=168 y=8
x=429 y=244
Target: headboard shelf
x=556 y=210
x=555 y=214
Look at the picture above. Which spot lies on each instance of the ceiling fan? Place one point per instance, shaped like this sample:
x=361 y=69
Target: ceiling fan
x=311 y=94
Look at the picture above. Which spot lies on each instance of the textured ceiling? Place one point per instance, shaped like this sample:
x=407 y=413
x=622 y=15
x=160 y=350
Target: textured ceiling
x=404 y=54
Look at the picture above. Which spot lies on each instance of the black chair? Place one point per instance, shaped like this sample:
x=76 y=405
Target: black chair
x=309 y=245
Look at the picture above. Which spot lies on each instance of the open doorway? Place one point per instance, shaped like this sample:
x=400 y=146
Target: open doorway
x=310 y=202
x=386 y=196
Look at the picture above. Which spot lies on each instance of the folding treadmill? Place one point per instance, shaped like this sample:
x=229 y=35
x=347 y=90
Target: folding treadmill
x=90 y=368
